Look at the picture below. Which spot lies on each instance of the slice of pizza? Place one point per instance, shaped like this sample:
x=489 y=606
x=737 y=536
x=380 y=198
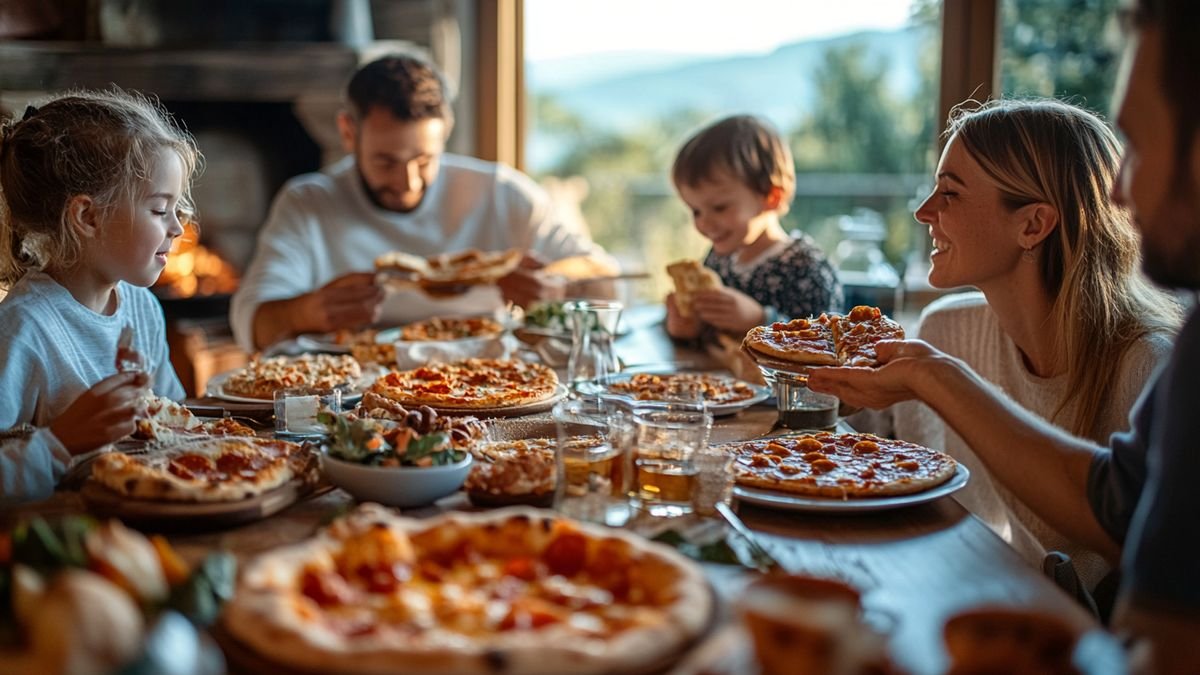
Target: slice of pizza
x=690 y=276
x=856 y=334
x=161 y=418
x=799 y=341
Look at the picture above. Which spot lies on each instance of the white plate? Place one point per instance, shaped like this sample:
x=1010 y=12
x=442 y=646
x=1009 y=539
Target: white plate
x=761 y=393
x=216 y=389
x=783 y=500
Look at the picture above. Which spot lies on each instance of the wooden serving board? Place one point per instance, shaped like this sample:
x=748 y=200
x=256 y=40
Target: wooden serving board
x=191 y=516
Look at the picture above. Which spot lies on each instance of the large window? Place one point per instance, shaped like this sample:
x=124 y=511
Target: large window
x=1067 y=49
x=614 y=87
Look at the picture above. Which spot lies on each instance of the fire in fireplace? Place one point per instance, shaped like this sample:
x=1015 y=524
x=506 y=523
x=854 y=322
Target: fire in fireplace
x=195 y=270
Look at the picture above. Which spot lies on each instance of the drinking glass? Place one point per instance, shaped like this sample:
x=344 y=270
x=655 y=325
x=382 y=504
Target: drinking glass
x=593 y=329
x=592 y=461
x=296 y=410
x=666 y=438
x=803 y=408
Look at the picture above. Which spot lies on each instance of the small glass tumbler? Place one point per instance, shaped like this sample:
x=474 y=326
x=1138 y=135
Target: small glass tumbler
x=714 y=480
x=803 y=408
x=593 y=465
x=666 y=439
x=296 y=410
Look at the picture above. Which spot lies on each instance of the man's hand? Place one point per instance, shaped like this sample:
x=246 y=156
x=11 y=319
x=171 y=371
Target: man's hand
x=679 y=326
x=350 y=301
x=528 y=283
x=902 y=362
x=102 y=414
x=727 y=309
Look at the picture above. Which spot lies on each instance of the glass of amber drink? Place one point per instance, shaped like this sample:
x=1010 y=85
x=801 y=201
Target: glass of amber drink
x=666 y=438
x=593 y=467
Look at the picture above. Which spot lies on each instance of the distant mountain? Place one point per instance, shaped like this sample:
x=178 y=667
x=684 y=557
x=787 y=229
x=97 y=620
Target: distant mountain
x=621 y=91
x=578 y=71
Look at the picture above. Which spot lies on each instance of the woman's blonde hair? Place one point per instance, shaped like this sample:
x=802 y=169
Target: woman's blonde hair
x=1046 y=151
x=746 y=147
x=102 y=144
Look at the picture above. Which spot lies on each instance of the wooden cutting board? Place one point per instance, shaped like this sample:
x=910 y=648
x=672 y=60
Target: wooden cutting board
x=190 y=516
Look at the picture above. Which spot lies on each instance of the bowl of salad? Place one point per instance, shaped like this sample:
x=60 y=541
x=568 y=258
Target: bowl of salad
x=390 y=463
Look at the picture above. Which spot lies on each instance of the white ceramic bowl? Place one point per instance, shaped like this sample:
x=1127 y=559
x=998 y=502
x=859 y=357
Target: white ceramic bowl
x=403 y=486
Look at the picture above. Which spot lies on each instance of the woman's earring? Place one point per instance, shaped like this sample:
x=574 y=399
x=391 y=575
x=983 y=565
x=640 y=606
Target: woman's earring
x=1027 y=255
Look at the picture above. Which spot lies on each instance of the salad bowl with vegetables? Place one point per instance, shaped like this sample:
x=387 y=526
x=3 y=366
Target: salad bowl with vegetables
x=390 y=463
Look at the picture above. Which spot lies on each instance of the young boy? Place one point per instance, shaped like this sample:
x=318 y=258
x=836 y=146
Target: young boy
x=738 y=179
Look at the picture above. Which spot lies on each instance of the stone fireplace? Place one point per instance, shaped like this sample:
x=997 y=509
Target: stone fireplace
x=262 y=110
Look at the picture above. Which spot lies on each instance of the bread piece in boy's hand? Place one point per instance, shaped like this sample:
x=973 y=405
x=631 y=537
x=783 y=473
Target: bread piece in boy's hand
x=690 y=276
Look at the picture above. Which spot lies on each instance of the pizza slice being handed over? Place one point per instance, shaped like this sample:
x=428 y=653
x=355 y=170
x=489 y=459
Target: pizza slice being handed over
x=826 y=340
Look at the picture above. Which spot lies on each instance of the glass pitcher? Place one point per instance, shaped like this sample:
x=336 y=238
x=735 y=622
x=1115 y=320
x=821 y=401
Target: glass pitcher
x=593 y=331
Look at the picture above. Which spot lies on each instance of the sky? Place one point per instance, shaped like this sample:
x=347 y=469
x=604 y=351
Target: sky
x=556 y=29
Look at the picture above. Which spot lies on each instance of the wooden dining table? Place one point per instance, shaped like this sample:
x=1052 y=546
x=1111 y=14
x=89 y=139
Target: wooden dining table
x=915 y=566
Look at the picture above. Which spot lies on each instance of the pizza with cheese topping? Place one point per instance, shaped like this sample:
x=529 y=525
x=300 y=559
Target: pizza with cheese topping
x=514 y=590
x=715 y=389
x=161 y=419
x=443 y=328
x=841 y=466
x=826 y=340
x=470 y=384
x=261 y=378
x=205 y=469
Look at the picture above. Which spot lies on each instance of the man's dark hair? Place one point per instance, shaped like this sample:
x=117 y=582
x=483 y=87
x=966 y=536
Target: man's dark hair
x=409 y=87
x=1178 y=25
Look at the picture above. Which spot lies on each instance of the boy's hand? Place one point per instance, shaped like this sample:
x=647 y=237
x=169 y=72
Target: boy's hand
x=728 y=310
x=102 y=414
x=678 y=326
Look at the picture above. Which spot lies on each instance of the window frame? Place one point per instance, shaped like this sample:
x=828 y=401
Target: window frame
x=970 y=68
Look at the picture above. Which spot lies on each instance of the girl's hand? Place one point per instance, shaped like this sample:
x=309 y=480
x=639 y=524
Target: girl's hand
x=678 y=326
x=902 y=364
x=729 y=310
x=102 y=414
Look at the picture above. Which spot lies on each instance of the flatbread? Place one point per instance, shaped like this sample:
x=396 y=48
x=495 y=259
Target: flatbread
x=690 y=276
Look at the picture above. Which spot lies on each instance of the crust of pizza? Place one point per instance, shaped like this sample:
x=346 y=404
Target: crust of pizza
x=689 y=277
x=512 y=590
x=206 y=469
x=261 y=378
x=840 y=466
x=470 y=384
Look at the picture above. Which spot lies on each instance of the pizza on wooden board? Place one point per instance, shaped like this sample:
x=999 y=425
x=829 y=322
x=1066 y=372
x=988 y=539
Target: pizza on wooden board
x=826 y=340
x=514 y=590
x=470 y=384
x=212 y=469
x=840 y=466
